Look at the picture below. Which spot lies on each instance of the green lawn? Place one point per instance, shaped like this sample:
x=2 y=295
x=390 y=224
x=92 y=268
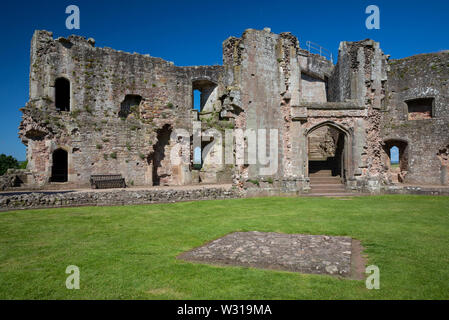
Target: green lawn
x=129 y=252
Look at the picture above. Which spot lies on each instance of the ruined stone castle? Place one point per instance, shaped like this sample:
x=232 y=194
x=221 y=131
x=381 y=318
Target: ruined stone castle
x=101 y=111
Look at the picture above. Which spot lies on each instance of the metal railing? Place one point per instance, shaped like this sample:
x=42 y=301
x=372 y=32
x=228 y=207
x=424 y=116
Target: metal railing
x=323 y=52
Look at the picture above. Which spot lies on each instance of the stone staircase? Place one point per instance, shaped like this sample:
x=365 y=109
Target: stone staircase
x=322 y=183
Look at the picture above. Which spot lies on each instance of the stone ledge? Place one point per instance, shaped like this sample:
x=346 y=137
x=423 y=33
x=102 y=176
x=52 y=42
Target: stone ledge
x=417 y=190
x=37 y=200
x=347 y=105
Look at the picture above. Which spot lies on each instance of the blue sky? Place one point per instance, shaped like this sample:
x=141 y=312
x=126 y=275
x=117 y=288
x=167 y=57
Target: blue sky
x=191 y=33
x=394 y=155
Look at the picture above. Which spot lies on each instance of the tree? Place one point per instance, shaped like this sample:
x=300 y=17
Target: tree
x=23 y=164
x=7 y=162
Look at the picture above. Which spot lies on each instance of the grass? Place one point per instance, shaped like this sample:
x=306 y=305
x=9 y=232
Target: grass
x=129 y=252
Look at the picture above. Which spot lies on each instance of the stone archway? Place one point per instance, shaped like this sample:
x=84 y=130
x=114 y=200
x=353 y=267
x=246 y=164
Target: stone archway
x=396 y=173
x=328 y=148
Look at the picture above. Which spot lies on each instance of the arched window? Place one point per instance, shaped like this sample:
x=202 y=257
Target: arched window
x=59 y=170
x=397 y=159
x=62 y=94
x=204 y=94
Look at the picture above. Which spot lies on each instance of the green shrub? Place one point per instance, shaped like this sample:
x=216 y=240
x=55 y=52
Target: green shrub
x=256 y=182
x=23 y=164
x=7 y=162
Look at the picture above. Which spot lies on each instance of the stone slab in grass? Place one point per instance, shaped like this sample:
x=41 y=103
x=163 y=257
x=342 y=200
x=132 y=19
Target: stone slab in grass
x=316 y=254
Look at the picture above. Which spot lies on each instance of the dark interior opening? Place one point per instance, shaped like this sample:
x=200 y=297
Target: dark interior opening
x=62 y=94
x=420 y=108
x=59 y=170
x=160 y=153
x=129 y=105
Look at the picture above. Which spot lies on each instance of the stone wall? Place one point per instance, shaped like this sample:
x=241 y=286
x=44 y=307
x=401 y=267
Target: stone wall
x=97 y=138
x=313 y=89
x=124 y=106
x=282 y=87
x=113 y=197
x=418 y=77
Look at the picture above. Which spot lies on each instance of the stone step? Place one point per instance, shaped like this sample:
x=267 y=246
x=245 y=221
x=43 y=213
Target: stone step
x=331 y=187
x=321 y=175
x=317 y=157
x=330 y=190
x=313 y=176
x=327 y=186
x=331 y=194
x=321 y=170
x=325 y=175
x=326 y=183
x=323 y=180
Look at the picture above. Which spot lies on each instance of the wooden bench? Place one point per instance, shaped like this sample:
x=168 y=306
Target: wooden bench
x=104 y=181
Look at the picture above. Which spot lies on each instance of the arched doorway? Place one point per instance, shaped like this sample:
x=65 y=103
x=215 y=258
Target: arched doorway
x=327 y=150
x=396 y=159
x=59 y=170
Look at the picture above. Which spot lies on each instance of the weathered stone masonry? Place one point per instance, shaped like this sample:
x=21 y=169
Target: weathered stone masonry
x=423 y=142
x=121 y=109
